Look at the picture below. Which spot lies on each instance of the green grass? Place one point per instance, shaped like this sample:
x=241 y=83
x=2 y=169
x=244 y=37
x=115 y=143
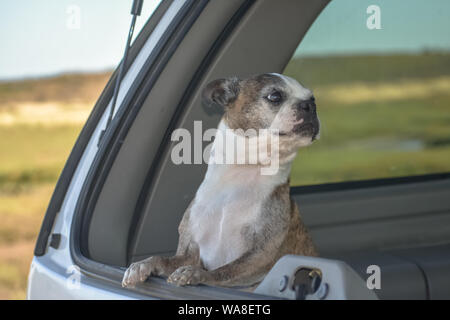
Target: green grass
x=21 y=216
x=33 y=154
x=316 y=166
x=426 y=119
x=317 y=71
x=65 y=88
x=381 y=136
x=377 y=140
x=32 y=158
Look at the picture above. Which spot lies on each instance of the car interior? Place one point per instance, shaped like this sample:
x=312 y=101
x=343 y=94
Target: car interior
x=131 y=210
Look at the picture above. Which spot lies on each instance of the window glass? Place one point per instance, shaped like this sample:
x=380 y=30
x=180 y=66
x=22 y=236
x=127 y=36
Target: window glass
x=380 y=72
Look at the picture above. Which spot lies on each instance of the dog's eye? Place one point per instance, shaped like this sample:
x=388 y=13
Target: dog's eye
x=274 y=97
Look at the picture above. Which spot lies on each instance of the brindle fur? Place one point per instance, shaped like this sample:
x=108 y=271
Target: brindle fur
x=280 y=228
x=283 y=233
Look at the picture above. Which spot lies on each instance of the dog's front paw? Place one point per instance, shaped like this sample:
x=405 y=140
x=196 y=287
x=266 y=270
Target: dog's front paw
x=138 y=272
x=188 y=275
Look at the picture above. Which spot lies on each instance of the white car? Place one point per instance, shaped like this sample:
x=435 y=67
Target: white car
x=120 y=198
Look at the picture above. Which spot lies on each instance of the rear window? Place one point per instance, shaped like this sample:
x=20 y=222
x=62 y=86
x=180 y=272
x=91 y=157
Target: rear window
x=381 y=77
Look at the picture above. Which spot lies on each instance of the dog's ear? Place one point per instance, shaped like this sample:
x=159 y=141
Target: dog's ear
x=221 y=92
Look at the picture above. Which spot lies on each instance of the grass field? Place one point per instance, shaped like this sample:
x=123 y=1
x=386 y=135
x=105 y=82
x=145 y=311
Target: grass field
x=381 y=116
x=39 y=123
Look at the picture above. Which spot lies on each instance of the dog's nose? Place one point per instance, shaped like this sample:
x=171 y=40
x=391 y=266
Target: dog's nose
x=308 y=105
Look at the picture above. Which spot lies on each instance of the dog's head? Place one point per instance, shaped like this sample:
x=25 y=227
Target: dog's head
x=266 y=101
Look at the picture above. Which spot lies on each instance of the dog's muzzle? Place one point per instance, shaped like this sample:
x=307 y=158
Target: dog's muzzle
x=307 y=110
x=308 y=106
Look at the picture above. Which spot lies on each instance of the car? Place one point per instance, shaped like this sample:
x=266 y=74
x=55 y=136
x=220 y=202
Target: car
x=120 y=198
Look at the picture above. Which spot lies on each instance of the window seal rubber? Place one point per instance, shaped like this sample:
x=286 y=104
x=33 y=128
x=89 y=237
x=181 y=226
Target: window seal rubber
x=370 y=183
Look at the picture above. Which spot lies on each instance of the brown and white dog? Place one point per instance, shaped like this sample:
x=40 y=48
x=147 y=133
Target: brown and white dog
x=240 y=221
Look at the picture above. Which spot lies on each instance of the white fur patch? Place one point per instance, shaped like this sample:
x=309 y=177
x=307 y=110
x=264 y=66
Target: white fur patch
x=229 y=198
x=285 y=119
x=296 y=90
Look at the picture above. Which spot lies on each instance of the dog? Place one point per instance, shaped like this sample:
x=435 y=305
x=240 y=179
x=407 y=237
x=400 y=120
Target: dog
x=240 y=221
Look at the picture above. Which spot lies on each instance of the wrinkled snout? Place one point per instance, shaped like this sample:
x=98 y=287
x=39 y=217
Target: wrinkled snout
x=307 y=106
x=306 y=110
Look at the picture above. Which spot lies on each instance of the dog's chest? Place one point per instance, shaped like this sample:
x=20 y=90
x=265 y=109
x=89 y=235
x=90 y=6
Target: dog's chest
x=221 y=224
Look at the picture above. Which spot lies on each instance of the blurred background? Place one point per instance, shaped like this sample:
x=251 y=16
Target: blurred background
x=381 y=81
x=380 y=72
x=55 y=59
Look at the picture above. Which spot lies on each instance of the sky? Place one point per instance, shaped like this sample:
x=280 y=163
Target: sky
x=406 y=26
x=41 y=37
